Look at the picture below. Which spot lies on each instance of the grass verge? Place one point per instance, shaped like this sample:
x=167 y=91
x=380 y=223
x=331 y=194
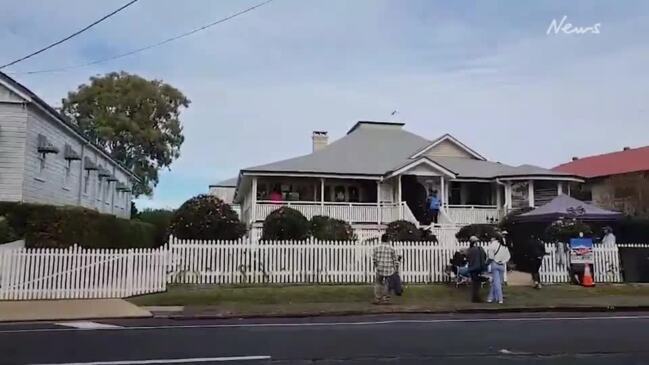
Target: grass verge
x=325 y=299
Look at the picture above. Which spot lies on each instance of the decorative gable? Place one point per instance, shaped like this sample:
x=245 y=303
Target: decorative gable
x=448 y=149
x=448 y=146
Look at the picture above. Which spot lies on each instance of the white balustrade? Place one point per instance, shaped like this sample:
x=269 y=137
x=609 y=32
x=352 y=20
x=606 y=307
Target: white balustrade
x=473 y=214
x=349 y=212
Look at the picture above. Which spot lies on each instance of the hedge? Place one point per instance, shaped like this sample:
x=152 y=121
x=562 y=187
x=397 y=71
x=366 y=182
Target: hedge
x=6 y=232
x=60 y=227
x=161 y=219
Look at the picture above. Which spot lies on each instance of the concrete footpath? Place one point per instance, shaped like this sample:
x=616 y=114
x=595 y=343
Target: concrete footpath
x=40 y=310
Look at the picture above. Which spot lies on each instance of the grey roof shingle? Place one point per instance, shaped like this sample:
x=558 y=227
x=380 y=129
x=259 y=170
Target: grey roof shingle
x=364 y=151
x=228 y=183
x=466 y=167
x=376 y=149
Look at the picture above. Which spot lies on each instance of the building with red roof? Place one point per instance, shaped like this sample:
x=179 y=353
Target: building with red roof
x=617 y=180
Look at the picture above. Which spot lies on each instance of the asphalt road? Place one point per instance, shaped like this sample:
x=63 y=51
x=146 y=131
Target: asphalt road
x=415 y=339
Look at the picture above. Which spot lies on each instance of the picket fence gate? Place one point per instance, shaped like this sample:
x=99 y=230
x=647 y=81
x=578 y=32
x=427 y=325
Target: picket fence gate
x=80 y=273
x=336 y=262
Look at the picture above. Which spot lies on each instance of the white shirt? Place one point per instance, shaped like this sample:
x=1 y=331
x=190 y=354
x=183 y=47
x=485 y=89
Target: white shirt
x=498 y=253
x=609 y=239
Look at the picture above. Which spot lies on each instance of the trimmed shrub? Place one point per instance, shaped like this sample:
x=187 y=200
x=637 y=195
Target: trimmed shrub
x=59 y=227
x=161 y=219
x=330 y=229
x=484 y=232
x=6 y=232
x=285 y=224
x=425 y=235
x=402 y=231
x=206 y=217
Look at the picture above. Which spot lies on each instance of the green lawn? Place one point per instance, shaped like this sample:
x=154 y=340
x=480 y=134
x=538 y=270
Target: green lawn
x=302 y=300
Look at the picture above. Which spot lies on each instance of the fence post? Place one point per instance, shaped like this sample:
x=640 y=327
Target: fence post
x=129 y=273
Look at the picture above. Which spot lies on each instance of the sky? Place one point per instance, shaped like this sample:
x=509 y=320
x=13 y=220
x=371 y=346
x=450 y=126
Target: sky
x=485 y=71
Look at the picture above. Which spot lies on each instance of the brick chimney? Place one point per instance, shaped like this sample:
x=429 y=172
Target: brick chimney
x=320 y=140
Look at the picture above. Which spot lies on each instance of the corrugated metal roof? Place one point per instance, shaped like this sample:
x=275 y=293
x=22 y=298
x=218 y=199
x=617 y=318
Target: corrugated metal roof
x=228 y=183
x=622 y=162
x=367 y=150
x=378 y=148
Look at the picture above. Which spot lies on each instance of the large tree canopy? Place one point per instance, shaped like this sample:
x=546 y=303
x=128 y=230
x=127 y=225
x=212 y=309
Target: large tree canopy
x=134 y=119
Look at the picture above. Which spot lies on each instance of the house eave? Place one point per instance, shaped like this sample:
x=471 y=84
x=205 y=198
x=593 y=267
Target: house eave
x=541 y=177
x=333 y=175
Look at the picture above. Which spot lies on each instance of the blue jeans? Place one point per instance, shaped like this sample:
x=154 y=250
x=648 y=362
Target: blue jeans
x=496 y=290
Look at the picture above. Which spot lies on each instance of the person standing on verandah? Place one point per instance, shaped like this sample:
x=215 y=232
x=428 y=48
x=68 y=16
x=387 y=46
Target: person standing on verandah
x=498 y=256
x=386 y=263
x=433 y=205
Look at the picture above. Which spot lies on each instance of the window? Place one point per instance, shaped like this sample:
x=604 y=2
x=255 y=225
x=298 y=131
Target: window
x=98 y=191
x=66 y=176
x=41 y=168
x=86 y=183
x=106 y=191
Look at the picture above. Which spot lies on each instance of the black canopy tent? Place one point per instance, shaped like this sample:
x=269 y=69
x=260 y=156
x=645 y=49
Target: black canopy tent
x=566 y=206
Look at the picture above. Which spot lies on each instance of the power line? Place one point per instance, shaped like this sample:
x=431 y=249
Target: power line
x=154 y=45
x=71 y=35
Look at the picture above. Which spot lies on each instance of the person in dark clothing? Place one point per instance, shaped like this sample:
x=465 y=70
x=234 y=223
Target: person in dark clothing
x=536 y=254
x=477 y=258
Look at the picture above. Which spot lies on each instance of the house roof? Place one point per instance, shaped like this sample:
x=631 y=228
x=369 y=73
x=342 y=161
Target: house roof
x=621 y=162
x=30 y=96
x=228 y=183
x=368 y=149
x=376 y=149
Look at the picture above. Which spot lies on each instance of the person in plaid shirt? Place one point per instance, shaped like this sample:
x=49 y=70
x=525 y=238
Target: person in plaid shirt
x=386 y=263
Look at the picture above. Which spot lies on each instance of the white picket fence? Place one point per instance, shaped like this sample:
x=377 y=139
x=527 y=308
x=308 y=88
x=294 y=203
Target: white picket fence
x=109 y=273
x=294 y=262
x=80 y=273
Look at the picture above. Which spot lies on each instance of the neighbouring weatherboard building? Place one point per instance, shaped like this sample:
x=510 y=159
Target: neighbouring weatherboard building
x=44 y=159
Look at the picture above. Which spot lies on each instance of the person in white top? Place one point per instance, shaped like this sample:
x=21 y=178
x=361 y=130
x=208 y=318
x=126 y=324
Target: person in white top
x=609 y=237
x=498 y=255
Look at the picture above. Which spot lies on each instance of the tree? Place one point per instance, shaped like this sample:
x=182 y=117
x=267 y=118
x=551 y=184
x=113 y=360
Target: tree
x=135 y=120
x=206 y=217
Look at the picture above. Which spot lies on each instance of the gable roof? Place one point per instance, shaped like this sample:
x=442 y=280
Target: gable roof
x=615 y=163
x=375 y=150
x=455 y=141
x=30 y=97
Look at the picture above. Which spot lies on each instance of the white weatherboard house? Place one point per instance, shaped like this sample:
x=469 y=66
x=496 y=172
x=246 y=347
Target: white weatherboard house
x=45 y=160
x=379 y=173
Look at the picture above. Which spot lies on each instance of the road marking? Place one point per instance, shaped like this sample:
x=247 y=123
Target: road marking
x=87 y=325
x=167 y=361
x=334 y=324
